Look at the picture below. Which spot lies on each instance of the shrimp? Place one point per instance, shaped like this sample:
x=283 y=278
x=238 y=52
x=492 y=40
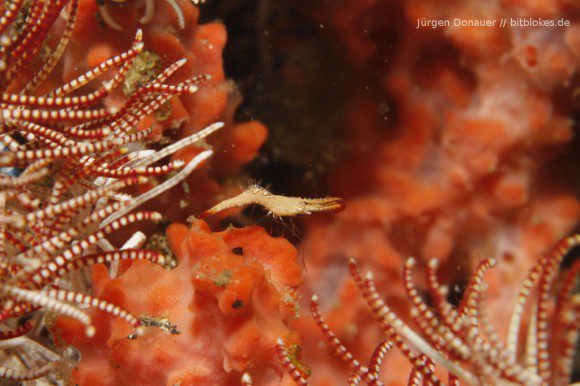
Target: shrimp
x=278 y=205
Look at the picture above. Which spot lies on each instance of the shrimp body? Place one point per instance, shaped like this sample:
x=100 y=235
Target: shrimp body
x=278 y=205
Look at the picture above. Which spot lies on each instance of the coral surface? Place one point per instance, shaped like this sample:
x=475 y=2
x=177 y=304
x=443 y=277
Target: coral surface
x=229 y=299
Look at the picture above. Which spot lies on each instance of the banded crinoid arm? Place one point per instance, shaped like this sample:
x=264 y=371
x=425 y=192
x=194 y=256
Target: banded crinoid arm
x=150 y=97
x=415 y=378
x=37 y=360
x=377 y=359
x=124 y=60
x=148 y=13
x=18 y=106
x=175 y=147
x=19 y=331
x=359 y=372
x=397 y=331
x=141 y=95
x=487 y=356
x=26 y=375
x=124 y=172
x=460 y=340
x=64 y=302
x=23 y=157
x=144 y=101
x=65 y=208
x=59 y=267
x=551 y=267
x=132 y=115
x=298 y=376
x=481 y=360
x=46 y=135
x=55 y=56
x=288 y=363
x=174 y=180
x=543 y=275
x=166 y=185
x=73 y=158
x=63 y=239
x=8 y=182
x=42 y=299
x=49 y=108
x=20 y=221
x=438 y=334
x=36 y=115
x=10 y=13
x=29 y=39
x=86 y=243
x=76 y=173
